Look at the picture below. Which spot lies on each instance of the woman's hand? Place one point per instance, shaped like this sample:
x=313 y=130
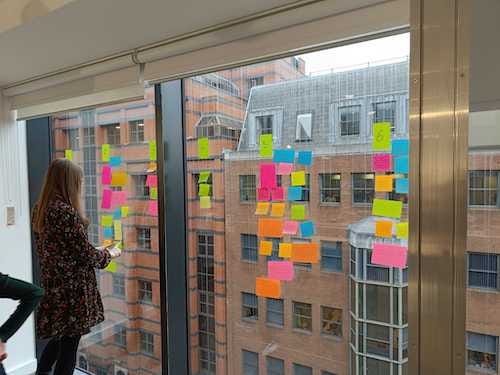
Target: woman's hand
x=3 y=353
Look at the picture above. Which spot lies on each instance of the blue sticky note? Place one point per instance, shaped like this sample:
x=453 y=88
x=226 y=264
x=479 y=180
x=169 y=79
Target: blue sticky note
x=108 y=232
x=117 y=214
x=401 y=164
x=115 y=161
x=305 y=157
x=402 y=185
x=284 y=156
x=307 y=229
x=400 y=147
x=294 y=193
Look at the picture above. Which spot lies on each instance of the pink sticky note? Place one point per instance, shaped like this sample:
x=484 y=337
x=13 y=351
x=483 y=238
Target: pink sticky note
x=268 y=176
x=107 y=195
x=285 y=168
x=263 y=194
x=278 y=194
x=290 y=227
x=381 y=163
x=119 y=198
x=280 y=270
x=152 y=180
x=153 y=208
x=389 y=255
x=106 y=175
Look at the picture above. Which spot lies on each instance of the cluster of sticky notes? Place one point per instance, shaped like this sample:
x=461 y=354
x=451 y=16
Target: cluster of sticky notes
x=205 y=189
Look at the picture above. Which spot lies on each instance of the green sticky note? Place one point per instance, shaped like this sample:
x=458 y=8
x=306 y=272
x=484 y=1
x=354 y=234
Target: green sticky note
x=382 y=136
x=204 y=190
x=203 y=149
x=153 y=193
x=298 y=178
x=112 y=266
x=298 y=212
x=107 y=221
x=68 y=154
x=105 y=152
x=266 y=146
x=387 y=208
x=205 y=202
x=124 y=211
x=152 y=150
x=204 y=176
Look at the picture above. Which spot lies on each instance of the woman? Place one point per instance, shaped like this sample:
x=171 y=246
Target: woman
x=72 y=304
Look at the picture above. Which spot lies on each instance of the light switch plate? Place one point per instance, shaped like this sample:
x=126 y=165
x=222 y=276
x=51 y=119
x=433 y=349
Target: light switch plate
x=11 y=215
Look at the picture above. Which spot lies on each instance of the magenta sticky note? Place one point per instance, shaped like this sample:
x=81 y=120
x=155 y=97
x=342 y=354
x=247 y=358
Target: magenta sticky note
x=280 y=270
x=153 y=208
x=107 y=195
x=106 y=175
x=290 y=227
x=284 y=168
x=263 y=194
x=119 y=198
x=278 y=194
x=152 y=180
x=389 y=255
x=268 y=176
x=382 y=163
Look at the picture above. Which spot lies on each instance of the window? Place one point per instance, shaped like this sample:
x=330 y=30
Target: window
x=329 y=187
x=301 y=370
x=205 y=131
x=363 y=188
x=248 y=186
x=303 y=132
x=349 y=118
x=249 y=247
x=331 y=256
x=145 y=291
x=377 y=300
x=249 y=306
x=483 y=188
x=483 y=270
x=296 y=63
x=275 y=311
x=136 y=131
x=112 y=134
x=331 y=321
x=99 y=370
x=73 y=139
x=146 y=342
x=143 y=238
x=255 y=81
x=83 y=363
x=482 y=351
x=250 y=363
x=118 y=285
x=385 y=112
x=196 y=180
x=376 y=272
x=306 y=189
x=275 y=366
x=264 y=124
x=120 y=335
x=378 y=340
x=302 y=316
x=140 y=188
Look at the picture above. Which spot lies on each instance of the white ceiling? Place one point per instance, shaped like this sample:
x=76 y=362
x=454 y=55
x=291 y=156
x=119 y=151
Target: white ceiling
x=85 y=30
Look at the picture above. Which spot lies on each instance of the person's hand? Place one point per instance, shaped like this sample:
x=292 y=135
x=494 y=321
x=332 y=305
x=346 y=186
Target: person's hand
x=3 y=353
x=115 y=252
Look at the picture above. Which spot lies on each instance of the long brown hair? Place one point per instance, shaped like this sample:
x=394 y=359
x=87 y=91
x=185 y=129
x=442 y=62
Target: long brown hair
x=63 y=181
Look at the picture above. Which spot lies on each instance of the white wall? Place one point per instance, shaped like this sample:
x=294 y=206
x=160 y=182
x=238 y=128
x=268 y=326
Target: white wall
x=15 y=241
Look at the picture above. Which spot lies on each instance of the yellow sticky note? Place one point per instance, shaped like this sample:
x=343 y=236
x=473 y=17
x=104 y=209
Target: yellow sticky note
x=285 y=250
x=68 y=154
x=382 y=136
x=389 y=208
x=384 y=183
x=298 y=178
x=298 y=212
x=265 y=248
x=117 y=224
x=203 y=148
x=124 y=210
x=152 y=150
x=383 y=228
x=118 y=179
x=153 y=193
x=107 y=243
x=204 y=190
x=107 y=220
x=262 y=208
x=205 y=202
x=105 y=152
x=402 y=230
x=112 y=266
x=266 y=145
x=151 y=167
x=278 y=209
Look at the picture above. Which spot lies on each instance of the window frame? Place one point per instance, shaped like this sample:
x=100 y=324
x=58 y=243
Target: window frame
x=143 y=345
x=483 y=190
x=296 y=315
x=482 y=271
x=136 y=132
x=340 y=122
x=250 y=189
x=365 y=189
x=280 y=313
x=339 y=323
x=322 y=188
x=468 y=350
x=145 y=291
x=338 y=246
x=310 y=117
x=247 y=248
x=245 y=306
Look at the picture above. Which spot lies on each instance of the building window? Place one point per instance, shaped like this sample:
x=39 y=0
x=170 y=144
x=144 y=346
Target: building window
x=482 y=351
x=275 y=366
x=248 y=186
x=250 y=362
x=363 y=187
x=73 y=136
x=264 y=124
x=331 y=256
x=146 y=342
x=140 y=188
x=120 y=335
x=306 y=189
x=275 y=311
x=249 y=306
x=255 y=81
x=483 y=270
x=145 y=291
x=112 y=134
x=483 y=188
x=196 y=180
x=83 y=363
x=136 y=131
x=301 y=369
x=329 y=187
x=118 y=285
x=296 y=63
x=206 y=261
x=249 y=247
x=101 y=370
x=385 y=112
x=331 y=321
x=349 y=118
x=302 y=316
x=378 y=340
x=143 y=238
x=303 y=131
x=205 y=131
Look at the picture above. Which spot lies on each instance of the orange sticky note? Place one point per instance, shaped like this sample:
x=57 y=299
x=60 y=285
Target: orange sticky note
x=265 y=248
x=285 y=250
x=305 y=252
x=270 y=228
x=278 y=209
x=262 y=208
x=118 y=179
x=265 y=287
x=384 y=183
x=383 y=228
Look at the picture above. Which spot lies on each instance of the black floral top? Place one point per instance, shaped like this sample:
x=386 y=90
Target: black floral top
x=72 y=304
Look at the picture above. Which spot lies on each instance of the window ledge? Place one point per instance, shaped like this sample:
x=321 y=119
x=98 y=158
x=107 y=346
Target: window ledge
x=247 y=261
x=274 y=325
x=326 y=204
x=302 y=331
x=249 y=320
x=332 y=337
x=482 y=289
x=332 y=272
x=483 y=208
x=481 y=370
x=248 y=203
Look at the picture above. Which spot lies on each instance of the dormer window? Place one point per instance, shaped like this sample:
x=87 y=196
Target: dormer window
x=303 y=131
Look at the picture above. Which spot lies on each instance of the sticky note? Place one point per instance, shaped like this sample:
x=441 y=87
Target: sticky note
x=107 y=220
x=204 y=176
x=117 y=214
x=262 y=208
x=383 y=228
x=298 y=212
x=204 y=190
x=298 y=178
x=105 y=151
x=286 y=155
x=153 y=193
x=382 y=162
x=115 y=161
x=382 y=136
x=280 y=270
x=266 y=146
x=117 y=226
x=278 y=194
x=68 y=154
x=106 y=175
x=151 y=167
x=278 y=209
x=307 y=229
x=402 y=230
x=402 y=185
x=203 y=148
x=305 y=158
x=389 y=255
x=290 y=227
x=270 y=228
x=263 y=194
x=265 y=287
x=294 y=193
x=107 y=233
x=152 y=180
x=118 y=178
x=112 y=267
x=268 y=178
x=106 y=199
x=125 y=211
x=305 y=252
x=384 y=183
x=401 y=164
x=265 y=248
x=205 y=202
x=285 y=250
x=284 y=168
x=119 y=198
x=153 y=208
x=152 y=150
x=385 y=207
x=400 y=147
